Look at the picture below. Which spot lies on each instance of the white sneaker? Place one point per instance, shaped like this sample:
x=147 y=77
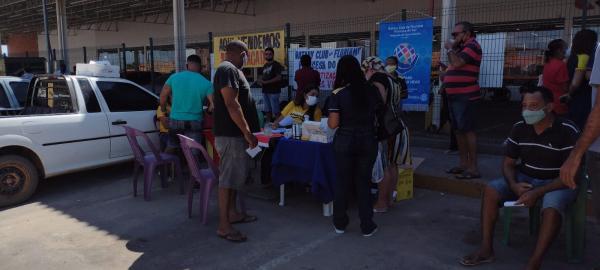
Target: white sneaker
x=371 y=233
x=338 y=231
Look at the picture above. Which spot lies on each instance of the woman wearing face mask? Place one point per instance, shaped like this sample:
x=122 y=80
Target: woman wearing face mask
x=555 y=76
x=303 y=104
x=389 y=149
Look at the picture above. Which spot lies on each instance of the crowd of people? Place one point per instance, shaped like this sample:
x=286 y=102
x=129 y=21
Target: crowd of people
x=367 y=95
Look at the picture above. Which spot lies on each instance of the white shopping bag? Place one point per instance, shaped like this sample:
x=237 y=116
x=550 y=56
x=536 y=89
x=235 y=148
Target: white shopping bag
x=377 y=174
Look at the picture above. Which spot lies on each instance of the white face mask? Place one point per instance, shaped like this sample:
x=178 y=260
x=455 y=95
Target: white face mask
x=311 y=101
x=391 y=68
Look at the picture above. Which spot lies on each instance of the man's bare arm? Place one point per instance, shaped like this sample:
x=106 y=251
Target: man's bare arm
x=454 y=60
x=509 y=171
x=590 y=133
x=277 y=78
x=165 y=93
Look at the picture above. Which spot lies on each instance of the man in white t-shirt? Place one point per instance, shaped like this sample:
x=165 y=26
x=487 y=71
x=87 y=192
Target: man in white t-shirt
x=588 y=142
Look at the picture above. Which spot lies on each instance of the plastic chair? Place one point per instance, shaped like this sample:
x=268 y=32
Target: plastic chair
x=574 y=221
x=206 y=178
x=210 y=143
x=149 y=161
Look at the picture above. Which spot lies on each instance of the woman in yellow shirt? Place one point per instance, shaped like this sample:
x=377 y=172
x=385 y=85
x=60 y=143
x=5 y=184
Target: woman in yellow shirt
x=303 y=104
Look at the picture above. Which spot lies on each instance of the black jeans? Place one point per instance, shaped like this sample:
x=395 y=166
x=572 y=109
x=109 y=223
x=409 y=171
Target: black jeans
x=355 y=154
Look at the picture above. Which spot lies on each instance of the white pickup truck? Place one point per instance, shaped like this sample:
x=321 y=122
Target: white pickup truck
x=68 y=124
x=13 y=93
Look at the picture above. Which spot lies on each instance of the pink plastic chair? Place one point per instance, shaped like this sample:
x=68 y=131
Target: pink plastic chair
x=149 y=161
x=206 y=178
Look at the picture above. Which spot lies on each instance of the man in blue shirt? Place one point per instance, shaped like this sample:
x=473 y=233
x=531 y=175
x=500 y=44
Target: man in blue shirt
x=188 y=91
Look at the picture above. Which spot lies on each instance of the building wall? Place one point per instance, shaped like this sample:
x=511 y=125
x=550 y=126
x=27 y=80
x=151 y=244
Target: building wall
x=21 y=44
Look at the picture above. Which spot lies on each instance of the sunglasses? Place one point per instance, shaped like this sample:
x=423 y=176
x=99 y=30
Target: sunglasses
x=454 y=34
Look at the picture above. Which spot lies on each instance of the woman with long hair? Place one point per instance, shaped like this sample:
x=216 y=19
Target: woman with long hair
x=305 y=103
x=579 y=67
x=555 y=76
x=352 y=110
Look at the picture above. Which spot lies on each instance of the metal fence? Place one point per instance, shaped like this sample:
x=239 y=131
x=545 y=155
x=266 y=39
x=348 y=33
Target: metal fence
x=524 y=27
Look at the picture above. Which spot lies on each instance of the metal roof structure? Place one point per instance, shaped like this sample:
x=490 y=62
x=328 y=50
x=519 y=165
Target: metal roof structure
x=19 y=16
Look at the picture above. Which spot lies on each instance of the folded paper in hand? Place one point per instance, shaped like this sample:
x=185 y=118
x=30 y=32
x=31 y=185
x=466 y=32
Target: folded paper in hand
x=252 y=152
x=513 y=204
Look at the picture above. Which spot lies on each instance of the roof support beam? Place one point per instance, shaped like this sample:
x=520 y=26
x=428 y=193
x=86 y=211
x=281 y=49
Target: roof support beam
x=61 y=25
x=179 y=33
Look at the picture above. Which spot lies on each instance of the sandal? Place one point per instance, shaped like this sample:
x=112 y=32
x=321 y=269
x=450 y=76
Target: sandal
x=234 y=236
x=245 y=219
x=468 y=176
x=380 y=210
x=474 y=260
x=455 y=170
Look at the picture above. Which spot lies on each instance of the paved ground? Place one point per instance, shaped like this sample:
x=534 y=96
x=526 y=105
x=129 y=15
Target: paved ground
x=91 y=221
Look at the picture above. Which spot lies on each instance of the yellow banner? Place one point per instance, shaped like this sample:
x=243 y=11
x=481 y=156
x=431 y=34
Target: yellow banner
x=257 y=43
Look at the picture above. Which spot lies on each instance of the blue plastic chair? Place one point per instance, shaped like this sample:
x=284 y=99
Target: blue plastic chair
x=149 y=161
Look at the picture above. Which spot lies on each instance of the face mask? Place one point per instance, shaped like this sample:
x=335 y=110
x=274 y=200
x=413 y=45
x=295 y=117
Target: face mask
x=311 y=100
x=391 y=69
x=533 y=117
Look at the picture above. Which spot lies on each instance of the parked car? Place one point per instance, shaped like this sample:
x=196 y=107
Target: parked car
x=13 y=93
x=69 y=124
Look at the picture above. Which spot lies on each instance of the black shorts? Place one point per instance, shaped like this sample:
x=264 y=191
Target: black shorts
x=462 y=112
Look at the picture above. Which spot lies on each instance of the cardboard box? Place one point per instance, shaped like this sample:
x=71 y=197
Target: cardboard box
x=404 y=187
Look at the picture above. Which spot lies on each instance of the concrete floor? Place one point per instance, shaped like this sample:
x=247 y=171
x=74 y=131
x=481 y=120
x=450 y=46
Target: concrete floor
x=91 y=221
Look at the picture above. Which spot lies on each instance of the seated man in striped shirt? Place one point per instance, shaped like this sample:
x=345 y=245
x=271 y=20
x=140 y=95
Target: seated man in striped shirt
x=535 y=150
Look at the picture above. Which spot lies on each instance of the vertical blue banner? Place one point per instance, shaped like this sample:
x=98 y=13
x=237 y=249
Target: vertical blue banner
x=410 y=41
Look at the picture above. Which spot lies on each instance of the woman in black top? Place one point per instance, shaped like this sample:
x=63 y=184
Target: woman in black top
x=352 y=109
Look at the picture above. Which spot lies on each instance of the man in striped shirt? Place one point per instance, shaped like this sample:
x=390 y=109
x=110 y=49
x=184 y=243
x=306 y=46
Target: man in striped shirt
x=542 y=142
x=462 y=89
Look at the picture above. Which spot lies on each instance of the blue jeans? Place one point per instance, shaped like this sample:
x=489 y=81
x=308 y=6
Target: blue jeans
x=558 y=199
x=191 y=129
x=271 y=103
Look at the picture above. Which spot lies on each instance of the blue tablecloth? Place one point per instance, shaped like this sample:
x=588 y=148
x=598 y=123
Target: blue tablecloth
x=304 y=161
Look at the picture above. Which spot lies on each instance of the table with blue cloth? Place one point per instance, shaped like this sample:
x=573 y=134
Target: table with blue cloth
x=304 y=162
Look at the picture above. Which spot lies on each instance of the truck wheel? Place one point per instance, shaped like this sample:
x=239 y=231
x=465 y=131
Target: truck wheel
x=18 y=179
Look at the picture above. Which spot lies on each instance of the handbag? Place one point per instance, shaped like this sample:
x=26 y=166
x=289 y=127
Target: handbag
x=389 y=122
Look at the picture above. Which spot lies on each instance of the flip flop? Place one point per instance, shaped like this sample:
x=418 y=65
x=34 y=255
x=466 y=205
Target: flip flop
x=468 y=176
x=455 y=170
x=235 y=237
x=245 y=219
x=470 y=261
x=380 y=210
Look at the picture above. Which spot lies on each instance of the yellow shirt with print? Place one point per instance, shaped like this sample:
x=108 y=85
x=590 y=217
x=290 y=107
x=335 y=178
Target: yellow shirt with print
x=159 y=114
x=297 y=112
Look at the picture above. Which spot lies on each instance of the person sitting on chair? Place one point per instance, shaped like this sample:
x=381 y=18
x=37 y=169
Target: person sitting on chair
x=542 y=143
x=306 y=103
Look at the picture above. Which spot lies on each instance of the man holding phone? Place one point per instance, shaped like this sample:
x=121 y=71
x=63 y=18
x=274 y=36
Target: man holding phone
x=542 y=143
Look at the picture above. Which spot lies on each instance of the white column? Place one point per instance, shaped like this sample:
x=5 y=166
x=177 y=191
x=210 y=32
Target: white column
x=179 y=33
x=448 y=21
x=61 y=26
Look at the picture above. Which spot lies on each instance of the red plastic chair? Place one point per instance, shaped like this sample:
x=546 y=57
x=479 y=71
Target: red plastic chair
x=206 y=178
x=149 y=161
